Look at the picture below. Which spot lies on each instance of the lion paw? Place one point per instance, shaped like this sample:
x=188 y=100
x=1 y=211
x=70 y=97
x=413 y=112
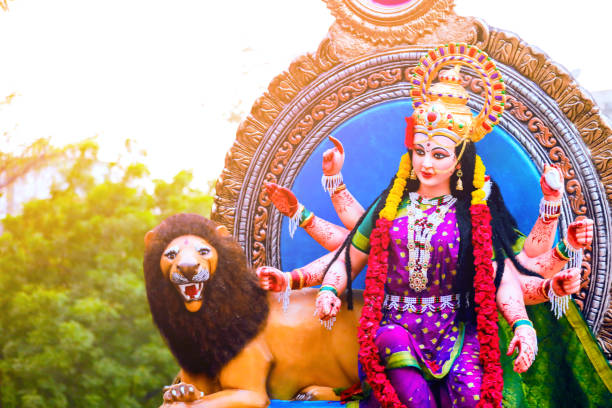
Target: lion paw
x=316 y=393
x=182 y=392
x=305 y=396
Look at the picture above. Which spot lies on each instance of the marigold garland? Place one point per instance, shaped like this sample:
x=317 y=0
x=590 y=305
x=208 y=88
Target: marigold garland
x=399 y=184
x=478 y=195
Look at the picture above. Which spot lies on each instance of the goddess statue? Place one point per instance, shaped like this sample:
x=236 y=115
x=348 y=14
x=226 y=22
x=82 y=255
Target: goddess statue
x=437 y=242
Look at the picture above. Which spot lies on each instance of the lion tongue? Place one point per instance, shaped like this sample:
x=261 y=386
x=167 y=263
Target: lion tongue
x=191 y=291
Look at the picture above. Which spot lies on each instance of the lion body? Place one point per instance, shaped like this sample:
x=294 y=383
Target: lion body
x=293 y=354
x=240 y=348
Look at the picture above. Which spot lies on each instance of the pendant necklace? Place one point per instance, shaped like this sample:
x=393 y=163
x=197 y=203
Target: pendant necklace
x=421 y=228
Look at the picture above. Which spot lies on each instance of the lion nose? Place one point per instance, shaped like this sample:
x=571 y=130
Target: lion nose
x=188 y=269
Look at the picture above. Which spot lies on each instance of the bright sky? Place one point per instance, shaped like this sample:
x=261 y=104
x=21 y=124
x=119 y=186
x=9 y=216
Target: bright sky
x=168 y=74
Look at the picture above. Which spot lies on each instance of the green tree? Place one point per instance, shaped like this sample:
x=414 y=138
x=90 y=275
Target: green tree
x=75 y=327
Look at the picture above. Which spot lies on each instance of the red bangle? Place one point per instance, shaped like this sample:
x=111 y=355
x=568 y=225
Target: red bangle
x=297 y=279
x=545 y=287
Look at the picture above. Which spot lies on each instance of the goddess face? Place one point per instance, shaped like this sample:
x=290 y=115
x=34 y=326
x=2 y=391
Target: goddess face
x=434 y=158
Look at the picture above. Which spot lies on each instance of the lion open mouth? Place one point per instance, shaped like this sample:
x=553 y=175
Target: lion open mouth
x=191 y=291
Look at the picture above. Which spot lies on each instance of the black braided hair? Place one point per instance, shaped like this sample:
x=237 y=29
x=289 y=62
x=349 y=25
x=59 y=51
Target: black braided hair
x=464 y=283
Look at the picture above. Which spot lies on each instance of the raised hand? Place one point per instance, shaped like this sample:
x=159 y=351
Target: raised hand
x=551 y=182
x=333 y=158
x=327 y=305
x=566 y=282
x=527 y=342
x=283 y=199
x=181 y=392
x=580 y=232
x=271 y=279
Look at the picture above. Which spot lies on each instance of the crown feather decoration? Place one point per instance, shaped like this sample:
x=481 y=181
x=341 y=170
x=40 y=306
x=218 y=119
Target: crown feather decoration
x=443 y=105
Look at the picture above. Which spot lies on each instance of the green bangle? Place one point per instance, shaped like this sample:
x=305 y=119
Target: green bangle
x=562 y=249
x=521 y=322
x=305 y=214
x=330 y=288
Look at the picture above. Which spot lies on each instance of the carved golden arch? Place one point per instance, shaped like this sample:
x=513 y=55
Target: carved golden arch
x=346 y=45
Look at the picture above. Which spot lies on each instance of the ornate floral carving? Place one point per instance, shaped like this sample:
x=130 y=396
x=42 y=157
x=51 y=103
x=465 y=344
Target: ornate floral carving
x=301 y=129
x=542 y=133
x=326 y=106
x=390 y=26
x=361 y=27
x=353 y=89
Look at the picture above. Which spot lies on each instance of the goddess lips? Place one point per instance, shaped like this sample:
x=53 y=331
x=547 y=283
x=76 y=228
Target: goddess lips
x=426 y=174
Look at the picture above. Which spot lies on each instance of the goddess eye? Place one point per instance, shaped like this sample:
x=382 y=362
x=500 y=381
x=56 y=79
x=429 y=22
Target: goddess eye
x=420 y=152
x=170 y=255
x=204 y=251
x=440 y=156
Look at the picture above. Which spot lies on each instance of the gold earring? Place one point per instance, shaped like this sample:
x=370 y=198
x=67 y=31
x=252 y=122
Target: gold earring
x=459 y=182
x=412 y=174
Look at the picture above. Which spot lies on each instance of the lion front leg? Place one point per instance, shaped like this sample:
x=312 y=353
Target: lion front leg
x=185 y=395
x=241 y=383
x=226 y=399
x=181 y=393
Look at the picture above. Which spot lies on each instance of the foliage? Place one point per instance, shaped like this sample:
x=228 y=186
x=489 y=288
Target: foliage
x=75 y=327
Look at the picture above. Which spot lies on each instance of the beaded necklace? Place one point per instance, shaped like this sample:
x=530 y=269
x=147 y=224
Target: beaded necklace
x=421 y=228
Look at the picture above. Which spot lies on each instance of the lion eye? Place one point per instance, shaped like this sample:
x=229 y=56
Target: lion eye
x=204 y=251
x=170 y=255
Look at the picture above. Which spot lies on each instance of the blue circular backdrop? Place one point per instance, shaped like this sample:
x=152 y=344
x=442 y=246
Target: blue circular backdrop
x=374 y=142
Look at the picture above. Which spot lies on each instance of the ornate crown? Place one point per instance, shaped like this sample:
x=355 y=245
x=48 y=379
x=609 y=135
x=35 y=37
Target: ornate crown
x=442 y=107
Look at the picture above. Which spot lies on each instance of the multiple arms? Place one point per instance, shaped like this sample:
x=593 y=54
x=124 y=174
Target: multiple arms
x=515 y=289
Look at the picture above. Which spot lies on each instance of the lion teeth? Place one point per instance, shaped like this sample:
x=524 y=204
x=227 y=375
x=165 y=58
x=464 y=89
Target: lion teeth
x=191 y=291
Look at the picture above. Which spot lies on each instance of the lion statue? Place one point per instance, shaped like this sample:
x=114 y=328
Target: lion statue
x=234 y=343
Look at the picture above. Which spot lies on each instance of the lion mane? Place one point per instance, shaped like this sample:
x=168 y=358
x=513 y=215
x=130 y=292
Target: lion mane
x=234 y=308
